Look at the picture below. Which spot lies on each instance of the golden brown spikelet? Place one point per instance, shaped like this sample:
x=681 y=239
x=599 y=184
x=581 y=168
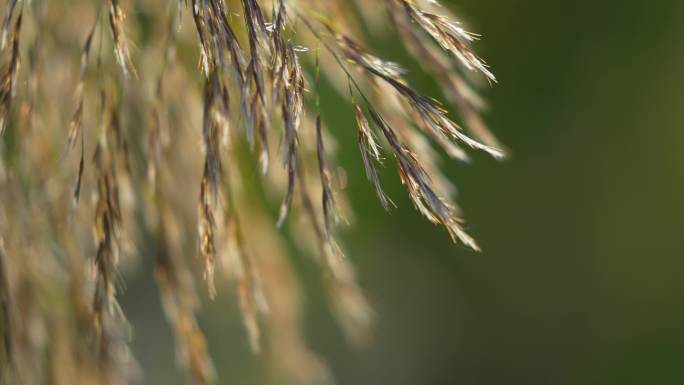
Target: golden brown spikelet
x=121 y=44
x=10 y=72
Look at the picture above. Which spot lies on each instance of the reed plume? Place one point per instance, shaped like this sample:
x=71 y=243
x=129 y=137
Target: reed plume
x=192 y=131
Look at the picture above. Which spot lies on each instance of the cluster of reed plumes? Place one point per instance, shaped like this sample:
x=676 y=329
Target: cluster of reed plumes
x=117 y=149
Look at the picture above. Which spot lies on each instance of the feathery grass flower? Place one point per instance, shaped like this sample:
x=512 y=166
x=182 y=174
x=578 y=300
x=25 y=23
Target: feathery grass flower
x=190 y=123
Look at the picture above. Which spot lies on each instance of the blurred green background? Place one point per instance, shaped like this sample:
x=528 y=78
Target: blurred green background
x=580 y=281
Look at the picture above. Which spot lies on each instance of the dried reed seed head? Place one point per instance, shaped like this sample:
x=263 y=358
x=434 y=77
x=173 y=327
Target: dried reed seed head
x=449 y=34
x=121 y=45
x=10 y=72
x=11 y=7
x=257 y=89
x=370 y=154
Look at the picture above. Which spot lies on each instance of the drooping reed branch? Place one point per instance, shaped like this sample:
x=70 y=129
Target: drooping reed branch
x=183 y=155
